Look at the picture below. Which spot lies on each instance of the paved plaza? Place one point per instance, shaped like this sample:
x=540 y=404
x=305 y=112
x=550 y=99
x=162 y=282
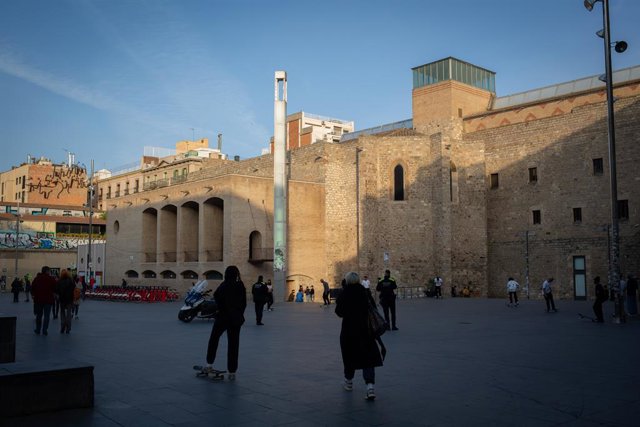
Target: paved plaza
x=454 y=362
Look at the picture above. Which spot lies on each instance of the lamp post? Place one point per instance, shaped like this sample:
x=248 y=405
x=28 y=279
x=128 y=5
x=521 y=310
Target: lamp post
x=89 y=264
x=17 y=237
x=619 y=46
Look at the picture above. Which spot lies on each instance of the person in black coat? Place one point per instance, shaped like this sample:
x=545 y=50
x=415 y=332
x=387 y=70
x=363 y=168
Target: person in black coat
x=260 y=295
x=359 y=348
x=64 y=289
x=231 y=298
x=601 y=296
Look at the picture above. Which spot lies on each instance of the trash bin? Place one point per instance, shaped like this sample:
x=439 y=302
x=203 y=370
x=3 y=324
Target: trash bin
x=7 y=339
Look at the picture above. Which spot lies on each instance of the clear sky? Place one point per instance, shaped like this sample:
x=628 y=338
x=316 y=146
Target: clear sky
x=104 y=78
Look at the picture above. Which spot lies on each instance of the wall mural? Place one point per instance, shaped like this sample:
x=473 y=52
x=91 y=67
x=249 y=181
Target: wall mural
x=61 y=179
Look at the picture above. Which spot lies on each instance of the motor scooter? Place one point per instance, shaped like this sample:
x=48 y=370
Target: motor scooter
x=197 y=305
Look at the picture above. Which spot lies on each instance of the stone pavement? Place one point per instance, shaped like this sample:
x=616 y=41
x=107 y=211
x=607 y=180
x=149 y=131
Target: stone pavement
x=454 y=362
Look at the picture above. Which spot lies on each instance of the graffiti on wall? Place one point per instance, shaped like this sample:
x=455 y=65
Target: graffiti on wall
x=28 y=240
x=61 y=179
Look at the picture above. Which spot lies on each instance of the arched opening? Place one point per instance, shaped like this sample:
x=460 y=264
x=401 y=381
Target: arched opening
x=149 y=234
x=213 y=275
x=255 y=246
x=189 y=274
x=213 y=228
x=148 y=274
x=398 y=183
x=453 y=182
x=131 y=274
x=168 y=274
x=189 y=235
x=116 y=227
x=168 y=238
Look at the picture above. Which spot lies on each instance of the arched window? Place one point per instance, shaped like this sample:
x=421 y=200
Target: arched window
x=255 y=245
x=189 y=274
x=131 y=274
x=148 y=274
x=212 y=275
x=398 y=183
x=168 y=274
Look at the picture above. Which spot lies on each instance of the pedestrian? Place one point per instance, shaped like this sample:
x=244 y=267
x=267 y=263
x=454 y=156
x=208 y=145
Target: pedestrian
x=77 y=297
x=65 y=288
x=16 y=288
x=601 y=296
x=325 y=292
x=84 y=287
x=260 y=294
x=307 y=294
x=437 y=281
x=292 y=296
x=387 y=286
x=512 y=288
x=123 y=284
x=269 y=296
x=27 y=287
x=547 y=292
x=366 y=283
x=312 y=294
x=358 y=347
x=300 y=295
x=231 y=299
x=42 y=292
x=632 y=288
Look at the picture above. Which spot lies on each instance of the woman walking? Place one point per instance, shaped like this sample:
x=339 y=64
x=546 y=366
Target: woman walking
x=231 y=298
x=359 y=348
x=64 y=289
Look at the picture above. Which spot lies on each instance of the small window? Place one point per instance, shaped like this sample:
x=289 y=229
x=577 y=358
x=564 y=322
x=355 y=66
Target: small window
x=533 y=175
x=398 y=183
x=494 y=180
x=537 y=217
x=623 y=209
x=116 y=227
x=598 y=166
x=577 y=215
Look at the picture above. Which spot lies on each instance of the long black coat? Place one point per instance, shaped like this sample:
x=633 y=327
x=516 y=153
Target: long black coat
x=359 y=349
x=231 y=298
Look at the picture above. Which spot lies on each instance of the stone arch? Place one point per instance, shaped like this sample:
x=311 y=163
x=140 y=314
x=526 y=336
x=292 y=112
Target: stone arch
x=213 y=229
x=213 y=275
x=255 y=246
x=149 y=234
x=167 y=239
x=398 y=179
x=189 y=274
x=189 y=231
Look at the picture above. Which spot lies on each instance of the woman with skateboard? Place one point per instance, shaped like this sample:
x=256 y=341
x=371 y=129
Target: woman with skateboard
x=231 y=299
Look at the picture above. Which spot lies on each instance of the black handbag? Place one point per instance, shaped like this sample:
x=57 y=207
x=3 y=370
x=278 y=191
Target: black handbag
x=377 y=324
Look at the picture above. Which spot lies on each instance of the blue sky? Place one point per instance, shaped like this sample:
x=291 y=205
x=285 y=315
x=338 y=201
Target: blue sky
x=104 y=78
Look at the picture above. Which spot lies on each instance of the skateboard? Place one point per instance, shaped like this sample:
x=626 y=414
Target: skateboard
x=582 y=316
x=213 y=374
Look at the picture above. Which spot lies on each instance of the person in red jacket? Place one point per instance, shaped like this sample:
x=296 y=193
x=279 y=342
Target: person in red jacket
x=42 y=289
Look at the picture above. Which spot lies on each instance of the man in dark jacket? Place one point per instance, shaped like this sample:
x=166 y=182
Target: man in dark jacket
x=260 y=294
x=42 y=290
x=601 y=296
x=387 y=286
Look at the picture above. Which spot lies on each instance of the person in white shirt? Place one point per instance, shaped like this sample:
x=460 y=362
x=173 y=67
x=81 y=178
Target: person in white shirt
x=548 y=295
x=437 y=281
x=512 y=288
x=365 y=282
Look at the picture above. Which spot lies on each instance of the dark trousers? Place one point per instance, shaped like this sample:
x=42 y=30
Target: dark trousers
x=259 y=311
x=548 y=298
x=513 y=296
x=56 y=307
x=269 y=301
x=66 y=314
x=438 y=292
x=369 y=374
x=597 y=310
x=325 y=298
x=389 y=305
x=16 y=297
x=42 y=312
x=233 y=345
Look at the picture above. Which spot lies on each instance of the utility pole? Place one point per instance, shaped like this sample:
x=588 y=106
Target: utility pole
x=89 y=266
x=280 y=184
x=17 y=236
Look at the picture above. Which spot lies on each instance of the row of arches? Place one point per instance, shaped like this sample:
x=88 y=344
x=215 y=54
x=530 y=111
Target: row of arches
x=169 y=274
x=191 y=232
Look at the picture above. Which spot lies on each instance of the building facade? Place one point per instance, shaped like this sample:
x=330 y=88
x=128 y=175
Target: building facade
x=473 y=188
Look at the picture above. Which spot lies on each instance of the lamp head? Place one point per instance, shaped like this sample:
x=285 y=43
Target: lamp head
x=620 y=46
x=588 y=4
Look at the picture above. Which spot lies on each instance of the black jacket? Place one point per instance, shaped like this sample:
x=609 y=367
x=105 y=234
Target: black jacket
x=260 y=292
x=231 y=298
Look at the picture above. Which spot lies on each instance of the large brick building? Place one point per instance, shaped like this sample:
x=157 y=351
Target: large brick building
x=466 y=189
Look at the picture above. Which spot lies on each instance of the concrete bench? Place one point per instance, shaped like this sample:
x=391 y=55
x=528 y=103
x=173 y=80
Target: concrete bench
x=43 y=386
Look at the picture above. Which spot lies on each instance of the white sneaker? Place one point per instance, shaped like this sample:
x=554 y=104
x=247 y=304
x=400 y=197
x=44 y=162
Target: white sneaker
x=348 y=384
x=371 y=394
x=232 y=376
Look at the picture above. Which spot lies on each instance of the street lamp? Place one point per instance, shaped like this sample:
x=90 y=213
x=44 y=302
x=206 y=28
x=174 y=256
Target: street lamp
x=619 y=46
x=17 y=236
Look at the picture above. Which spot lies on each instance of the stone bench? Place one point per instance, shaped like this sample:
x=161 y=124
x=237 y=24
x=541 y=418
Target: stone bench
x=43 y=386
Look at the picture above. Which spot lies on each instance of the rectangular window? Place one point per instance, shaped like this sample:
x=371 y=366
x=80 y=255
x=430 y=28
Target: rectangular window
x=577 y=215
x=24 y=181
x=494 y=180
x=537 y=217
x=136 y=188
x=579 y=277
x=533 y=174
x=623 y=209
x=598 y=166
